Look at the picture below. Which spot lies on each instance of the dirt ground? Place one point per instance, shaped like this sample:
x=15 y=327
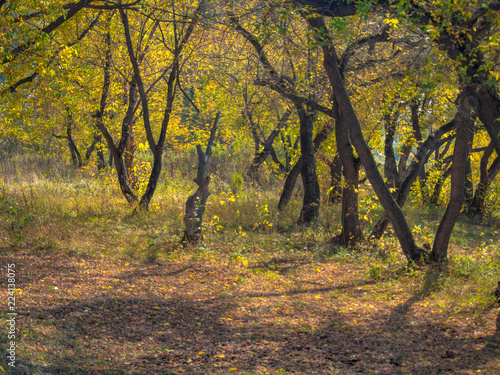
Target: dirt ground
x=84 y=315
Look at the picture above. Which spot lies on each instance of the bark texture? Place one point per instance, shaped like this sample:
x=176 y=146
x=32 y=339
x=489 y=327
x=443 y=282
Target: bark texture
x=195 y=205
x=310 y=206
x=458 y=171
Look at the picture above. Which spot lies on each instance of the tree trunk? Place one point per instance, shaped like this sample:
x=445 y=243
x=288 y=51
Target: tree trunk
x=117 y=151
x=344 y=107
x=129 y=155
x=468 y=186
x=195 y=205
x=390 y=167
x=76 y=158
x=192 y=220
x=476 y=206
x=310 y=206
x=335 y=191
x=351 y=230
x=75 y=154
x=291 y=179
x=458 y=170
x=261 y=156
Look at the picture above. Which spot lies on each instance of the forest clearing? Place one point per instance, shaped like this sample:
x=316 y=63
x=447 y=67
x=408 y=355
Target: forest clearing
x=250 y=187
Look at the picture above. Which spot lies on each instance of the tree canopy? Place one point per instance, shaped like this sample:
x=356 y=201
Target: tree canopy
x=403 y=94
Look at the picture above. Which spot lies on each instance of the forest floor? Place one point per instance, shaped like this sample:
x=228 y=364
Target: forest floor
x=202 y=314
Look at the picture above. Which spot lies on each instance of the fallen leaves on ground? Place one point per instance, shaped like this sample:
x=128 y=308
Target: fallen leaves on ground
x=85 y=315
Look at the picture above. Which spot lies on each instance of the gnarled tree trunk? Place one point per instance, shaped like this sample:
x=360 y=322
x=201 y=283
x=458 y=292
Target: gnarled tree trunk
x=195 y=205
x=291 y=179
x=310 y=206
x=458 y=170
x=344 y=109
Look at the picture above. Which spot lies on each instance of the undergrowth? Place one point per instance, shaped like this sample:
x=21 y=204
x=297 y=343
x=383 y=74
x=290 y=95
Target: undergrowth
x=47 y=207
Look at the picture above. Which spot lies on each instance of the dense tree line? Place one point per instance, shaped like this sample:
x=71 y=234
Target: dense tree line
x=392 y=92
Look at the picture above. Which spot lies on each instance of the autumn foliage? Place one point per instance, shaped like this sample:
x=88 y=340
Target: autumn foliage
x=323 y=137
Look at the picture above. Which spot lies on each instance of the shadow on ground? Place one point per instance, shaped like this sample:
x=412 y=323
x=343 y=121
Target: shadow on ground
x=146 y=334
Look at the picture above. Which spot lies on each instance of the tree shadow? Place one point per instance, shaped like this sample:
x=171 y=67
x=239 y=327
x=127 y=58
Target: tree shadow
x=430 y=285
x=152 y=271
x=115 y=334
x=282 y=265
x=31 y=268
x=177 y=326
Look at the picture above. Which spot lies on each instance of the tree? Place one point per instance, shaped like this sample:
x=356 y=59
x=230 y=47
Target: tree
x=76 y=158
x=460 y=154
x=195 y=205
x=457 y=29
x=284 y=85
x=156 y=147
x=345 y=113
x=263 y=146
